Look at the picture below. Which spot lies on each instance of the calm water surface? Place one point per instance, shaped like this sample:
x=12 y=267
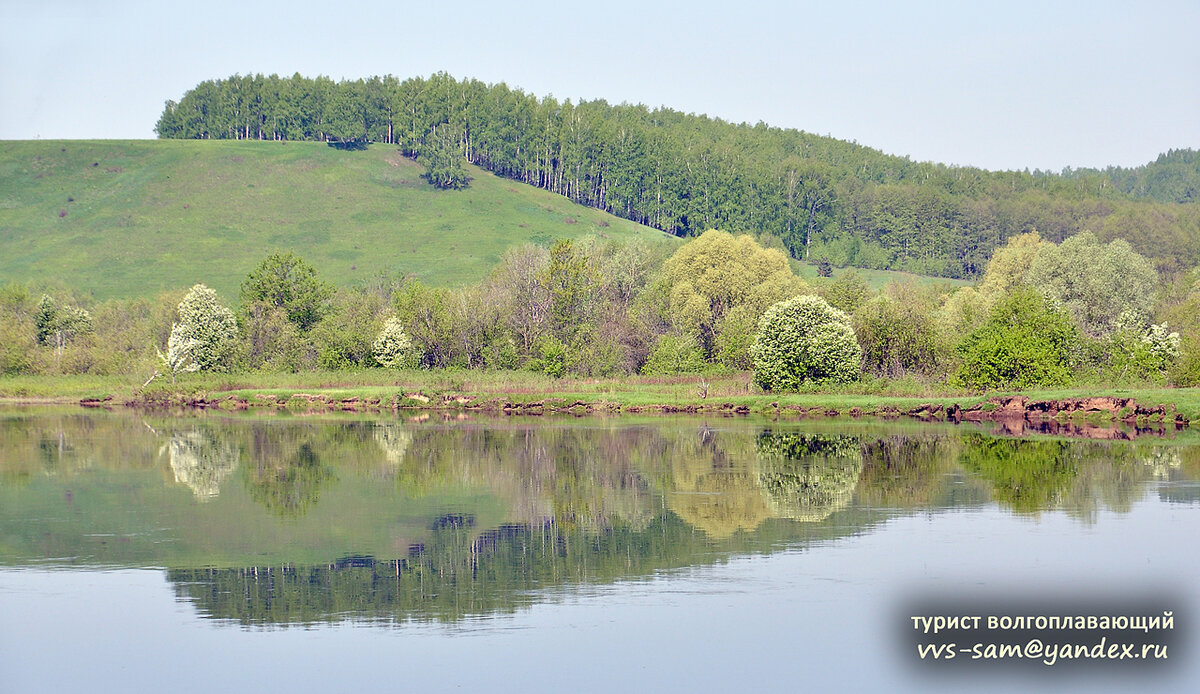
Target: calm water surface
x=562 y=554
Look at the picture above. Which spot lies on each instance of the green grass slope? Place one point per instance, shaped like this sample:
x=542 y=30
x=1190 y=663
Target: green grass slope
x=876 y=279
x=133 y=218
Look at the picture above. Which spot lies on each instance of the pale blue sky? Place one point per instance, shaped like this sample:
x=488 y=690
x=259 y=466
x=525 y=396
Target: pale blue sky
x=1010 y=84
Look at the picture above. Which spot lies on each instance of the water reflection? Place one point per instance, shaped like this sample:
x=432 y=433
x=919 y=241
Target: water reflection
x=909 y=470
x=297 y=520
x=1026 y=476
x=201 y=460
x=806 y=477
x=394 y=441
x=286 y=479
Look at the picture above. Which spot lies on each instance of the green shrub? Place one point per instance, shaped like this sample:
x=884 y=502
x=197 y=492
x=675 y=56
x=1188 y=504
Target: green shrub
x=17 y=347
x=502 y=353
x=594 y=354
x=551 y=359
x=675 y=354
x=847 y=292
x=735 y=337
x=273 y=343
x=804 y=340
x=896 y=338
x=1142 y=354
x=1026 y=341
x=1186 y=371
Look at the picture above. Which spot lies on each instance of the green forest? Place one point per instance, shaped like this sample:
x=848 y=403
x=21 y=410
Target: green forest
x=820 y=198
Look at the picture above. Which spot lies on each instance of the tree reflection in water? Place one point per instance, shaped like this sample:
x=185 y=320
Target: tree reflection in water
x=806 y=477
x=284 y=472
x=201 y=460
x=394 y=521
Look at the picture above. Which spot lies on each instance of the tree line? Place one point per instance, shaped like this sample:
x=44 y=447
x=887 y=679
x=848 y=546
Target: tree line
x=1081 y=312
x=821 y=198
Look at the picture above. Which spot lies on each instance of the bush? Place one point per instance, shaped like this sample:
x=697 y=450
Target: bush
x=897 y=337
x=847 y=292
x=674 y=354
x=1142 y=354
x=17 y=347
x=502 y=353
x=735 y=337
x=1186 y=371
x=1181 y=309
x=345 y=338
x=1027 y=341
x=126 y=333
x=551 y=359
x=273 y=342
x=804 y=340
x=594 y=354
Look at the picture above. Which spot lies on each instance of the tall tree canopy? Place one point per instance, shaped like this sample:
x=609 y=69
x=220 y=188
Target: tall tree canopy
x=1097 y=283
x=285 y=281
x=720 y=279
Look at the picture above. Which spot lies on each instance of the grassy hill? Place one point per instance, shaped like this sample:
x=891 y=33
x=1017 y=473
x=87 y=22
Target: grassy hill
x=130 y=218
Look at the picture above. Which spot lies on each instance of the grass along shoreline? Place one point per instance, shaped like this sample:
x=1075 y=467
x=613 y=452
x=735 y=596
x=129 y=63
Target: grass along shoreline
x=530 y=393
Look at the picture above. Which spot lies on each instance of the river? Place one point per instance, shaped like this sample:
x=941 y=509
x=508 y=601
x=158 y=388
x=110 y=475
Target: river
x=471 y=553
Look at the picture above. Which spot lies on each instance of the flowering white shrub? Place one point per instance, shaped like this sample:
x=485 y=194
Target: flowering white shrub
x=393 y=348
x=178 y=358
x=804 y=340
x=208 y=328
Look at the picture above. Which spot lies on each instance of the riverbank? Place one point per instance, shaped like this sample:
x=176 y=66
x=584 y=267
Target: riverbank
x=528 y=393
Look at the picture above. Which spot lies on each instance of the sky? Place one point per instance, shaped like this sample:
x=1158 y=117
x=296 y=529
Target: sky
x=1001 y=85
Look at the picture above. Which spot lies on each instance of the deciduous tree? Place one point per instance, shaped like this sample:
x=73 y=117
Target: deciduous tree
x=392 y=348
x=711 y=276
x=207 y=331
x=284 y=280
x=442 y=157
x=1097 y=283
x=1027 y=341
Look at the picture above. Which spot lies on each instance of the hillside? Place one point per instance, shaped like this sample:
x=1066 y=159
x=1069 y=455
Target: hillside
x=131 y=218
x=685 y=173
